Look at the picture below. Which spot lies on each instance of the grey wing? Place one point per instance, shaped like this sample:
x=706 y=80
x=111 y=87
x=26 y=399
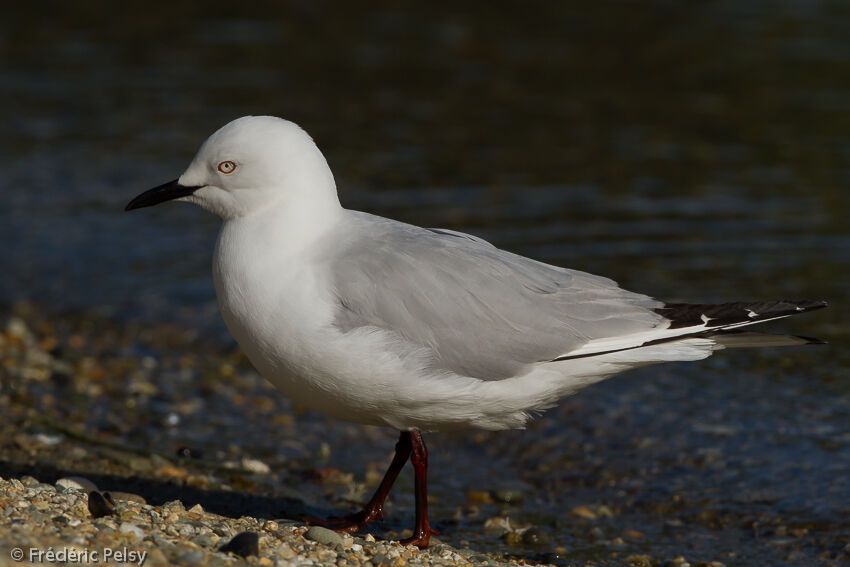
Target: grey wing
x=482 y=311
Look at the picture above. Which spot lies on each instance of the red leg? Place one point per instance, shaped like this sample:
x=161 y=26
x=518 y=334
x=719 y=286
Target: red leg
x=419 y=458
x=374 y=510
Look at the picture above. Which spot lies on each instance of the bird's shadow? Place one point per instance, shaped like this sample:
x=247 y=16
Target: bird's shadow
x=231 y=504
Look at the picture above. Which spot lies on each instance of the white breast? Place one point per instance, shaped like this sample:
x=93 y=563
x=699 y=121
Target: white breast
x=279 y=310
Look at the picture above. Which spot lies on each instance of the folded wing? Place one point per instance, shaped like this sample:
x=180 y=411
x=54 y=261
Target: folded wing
x=482 y=312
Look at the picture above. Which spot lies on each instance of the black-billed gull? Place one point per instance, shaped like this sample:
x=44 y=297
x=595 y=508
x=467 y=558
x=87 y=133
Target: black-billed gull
x=379 y=322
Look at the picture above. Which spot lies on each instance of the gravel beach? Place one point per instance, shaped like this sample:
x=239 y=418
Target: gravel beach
x=38 y=519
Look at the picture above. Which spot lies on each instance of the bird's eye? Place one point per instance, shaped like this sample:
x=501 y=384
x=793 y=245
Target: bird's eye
x=227 y=167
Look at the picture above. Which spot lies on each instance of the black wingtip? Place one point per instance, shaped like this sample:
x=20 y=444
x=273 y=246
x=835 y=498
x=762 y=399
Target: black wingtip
x=723 y=314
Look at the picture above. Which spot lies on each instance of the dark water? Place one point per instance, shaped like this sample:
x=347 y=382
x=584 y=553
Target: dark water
x=692 y=151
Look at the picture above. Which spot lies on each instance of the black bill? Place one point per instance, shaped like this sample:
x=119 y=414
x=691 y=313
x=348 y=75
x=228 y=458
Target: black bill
x=160 y=194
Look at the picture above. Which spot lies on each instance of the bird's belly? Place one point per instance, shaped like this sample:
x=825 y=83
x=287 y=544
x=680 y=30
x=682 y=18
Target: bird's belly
x=287 y=335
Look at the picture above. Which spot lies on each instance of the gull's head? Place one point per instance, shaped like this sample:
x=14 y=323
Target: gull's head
x=248 y=165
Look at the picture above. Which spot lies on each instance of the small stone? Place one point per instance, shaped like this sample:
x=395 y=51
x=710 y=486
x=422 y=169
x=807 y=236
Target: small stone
x=286 y=523
x=41 y=505
x=256 y=466
x=498 y=524
x=37 y=518
x=270 y=526
x=324 y=536
x=196 y=509
x=157 y=557
x=127 y=497
x=478 y=497
x=171 y=471
x=77 y=454
x=596 y=532
x=139 y=464
x=639 y=561
x=175 y=506
x=128 y=528
x=604 y=512
x=48 y=440
x=100 y=504
x=583 y=512
x=285 y=551
x=16 y=327
x=76 y=483
x=534 y=536
x=191 y=557
x=158 y=461
x=243 y=544
x=205 y=540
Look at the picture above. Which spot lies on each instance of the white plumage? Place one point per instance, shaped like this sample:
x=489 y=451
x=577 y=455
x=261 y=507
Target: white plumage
x=380 y=322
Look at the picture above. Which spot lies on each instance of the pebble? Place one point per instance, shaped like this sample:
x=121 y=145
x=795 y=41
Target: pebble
x=48 y=440
x=324 y=536
x=499 y=524
x=76 y=483
x=191 y=557
x=583 y=512
x=285 y=551
x=128 y=528
x=256 y=466
x=205 y=540
x=534 y=536
x=126 y=497
x=479 y=497
x=639 y=561
x=139 y=464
